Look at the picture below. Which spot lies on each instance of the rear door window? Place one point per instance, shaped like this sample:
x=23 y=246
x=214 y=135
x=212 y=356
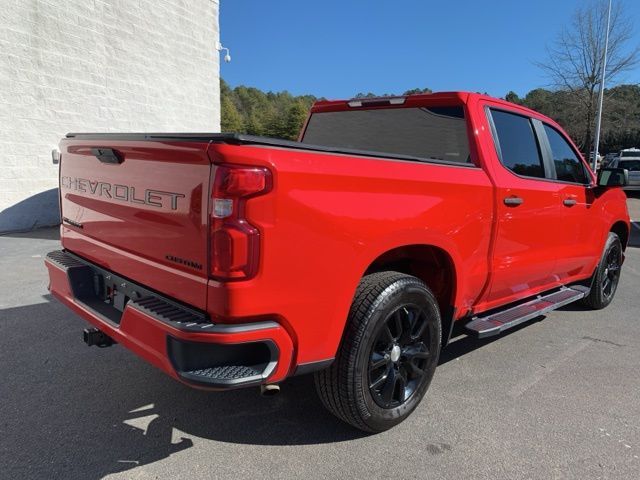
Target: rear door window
x=569 y=167
x=517 y=144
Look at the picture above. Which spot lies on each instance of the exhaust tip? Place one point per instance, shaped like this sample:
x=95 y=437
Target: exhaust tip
x=269 y=390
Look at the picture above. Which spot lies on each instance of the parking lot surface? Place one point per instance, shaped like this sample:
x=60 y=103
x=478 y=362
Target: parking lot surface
x=556 y=398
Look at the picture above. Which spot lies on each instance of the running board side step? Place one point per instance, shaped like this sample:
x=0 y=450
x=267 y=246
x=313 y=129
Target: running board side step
x=483 y=326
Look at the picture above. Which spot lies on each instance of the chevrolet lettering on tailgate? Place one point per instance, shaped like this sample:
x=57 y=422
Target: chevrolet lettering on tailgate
x=124 y=193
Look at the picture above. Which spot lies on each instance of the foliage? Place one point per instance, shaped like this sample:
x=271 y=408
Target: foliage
x=250 y=110
x=413 y=91
x=417 y=91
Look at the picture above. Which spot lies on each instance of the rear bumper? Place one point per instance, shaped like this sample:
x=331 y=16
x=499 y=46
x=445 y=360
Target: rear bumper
x=179 y=340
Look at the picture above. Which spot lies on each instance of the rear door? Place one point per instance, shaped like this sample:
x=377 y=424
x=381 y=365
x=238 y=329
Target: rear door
x=139 y=208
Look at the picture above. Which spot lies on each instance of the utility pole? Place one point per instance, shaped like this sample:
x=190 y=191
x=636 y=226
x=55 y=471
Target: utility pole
x=596 y=145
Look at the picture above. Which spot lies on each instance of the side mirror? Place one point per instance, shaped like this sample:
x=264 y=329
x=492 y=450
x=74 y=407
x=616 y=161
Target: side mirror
x=613 y=177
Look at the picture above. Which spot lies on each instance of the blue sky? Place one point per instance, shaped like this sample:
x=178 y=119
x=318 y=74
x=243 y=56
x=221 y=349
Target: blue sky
x=336 y=49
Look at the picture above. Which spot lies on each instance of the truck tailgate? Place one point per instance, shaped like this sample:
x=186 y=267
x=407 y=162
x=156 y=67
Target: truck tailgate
x=139 y=209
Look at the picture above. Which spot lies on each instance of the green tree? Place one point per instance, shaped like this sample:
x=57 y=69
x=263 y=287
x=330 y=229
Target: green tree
x=541 y=100
x=366 y=95
x=512 y=97
x=296 y=117
x=250 y=110
x=231 y=120
x=417 y=91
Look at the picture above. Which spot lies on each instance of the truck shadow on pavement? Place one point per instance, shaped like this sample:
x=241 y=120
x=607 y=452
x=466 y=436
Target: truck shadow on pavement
x=69 y=411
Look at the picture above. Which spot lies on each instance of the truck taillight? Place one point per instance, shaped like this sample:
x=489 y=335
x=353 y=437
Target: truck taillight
x=235 y=243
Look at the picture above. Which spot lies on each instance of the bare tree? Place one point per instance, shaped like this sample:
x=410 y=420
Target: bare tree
x=575 y=58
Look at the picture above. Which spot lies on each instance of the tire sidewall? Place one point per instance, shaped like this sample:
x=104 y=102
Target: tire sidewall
x=612 y=240
x=402 y=292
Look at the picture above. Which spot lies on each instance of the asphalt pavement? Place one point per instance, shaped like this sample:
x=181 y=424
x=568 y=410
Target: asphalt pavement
x=556 y=398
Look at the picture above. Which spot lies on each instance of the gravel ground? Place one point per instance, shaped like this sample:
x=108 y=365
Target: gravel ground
x=557 y=398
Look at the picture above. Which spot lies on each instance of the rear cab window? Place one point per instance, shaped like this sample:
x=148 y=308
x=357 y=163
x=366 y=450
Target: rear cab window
x=428 y=133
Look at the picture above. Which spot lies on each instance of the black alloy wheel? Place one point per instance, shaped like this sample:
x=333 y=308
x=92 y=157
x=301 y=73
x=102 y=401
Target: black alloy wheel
x=611 y=274
x=399 y=356
x=607 y=275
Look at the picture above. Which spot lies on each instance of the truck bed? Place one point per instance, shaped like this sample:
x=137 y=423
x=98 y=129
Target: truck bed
x=243 y=139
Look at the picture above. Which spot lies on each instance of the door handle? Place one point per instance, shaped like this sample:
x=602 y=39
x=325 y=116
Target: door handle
x=513 y=201
x=569 y=202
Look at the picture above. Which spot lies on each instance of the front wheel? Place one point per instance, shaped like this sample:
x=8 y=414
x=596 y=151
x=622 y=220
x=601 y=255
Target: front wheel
x=607 y=276
x=388 y=354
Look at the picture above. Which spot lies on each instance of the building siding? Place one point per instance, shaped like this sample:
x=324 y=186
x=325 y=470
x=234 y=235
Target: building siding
x=98 y=66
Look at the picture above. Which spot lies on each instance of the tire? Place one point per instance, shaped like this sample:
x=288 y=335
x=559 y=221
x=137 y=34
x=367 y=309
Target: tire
x=388 y=353
x=607 y=275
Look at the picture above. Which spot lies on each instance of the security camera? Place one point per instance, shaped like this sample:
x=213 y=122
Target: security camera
x=220 y=48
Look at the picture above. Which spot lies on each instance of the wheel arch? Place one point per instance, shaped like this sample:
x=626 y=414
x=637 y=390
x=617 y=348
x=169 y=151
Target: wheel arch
x=621 y=229
x=431 y=264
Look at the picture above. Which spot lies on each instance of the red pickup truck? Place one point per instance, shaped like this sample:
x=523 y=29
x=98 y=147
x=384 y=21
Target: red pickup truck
x=229 y=260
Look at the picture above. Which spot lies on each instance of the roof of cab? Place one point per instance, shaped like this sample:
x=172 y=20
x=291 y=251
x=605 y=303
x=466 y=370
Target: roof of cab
x=399 y=101
x=406 y=101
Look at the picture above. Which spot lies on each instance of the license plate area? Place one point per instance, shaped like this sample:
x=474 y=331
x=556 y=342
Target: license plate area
x=104 y=292
x=116 y=291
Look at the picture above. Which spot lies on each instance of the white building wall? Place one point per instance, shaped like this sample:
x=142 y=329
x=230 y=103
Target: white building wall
x=96 y=66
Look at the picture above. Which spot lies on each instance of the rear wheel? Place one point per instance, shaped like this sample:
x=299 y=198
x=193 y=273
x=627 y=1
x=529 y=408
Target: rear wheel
x=607 y=276
x=388 y=354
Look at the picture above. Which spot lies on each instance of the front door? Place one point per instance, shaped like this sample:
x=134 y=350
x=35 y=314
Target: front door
x=578 y=231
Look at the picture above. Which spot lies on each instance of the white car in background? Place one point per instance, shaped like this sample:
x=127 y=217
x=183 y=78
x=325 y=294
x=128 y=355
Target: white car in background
x=629 y=159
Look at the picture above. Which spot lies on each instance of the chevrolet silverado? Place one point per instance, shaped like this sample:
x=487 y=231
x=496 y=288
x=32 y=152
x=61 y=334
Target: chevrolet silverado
x=229 y=260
